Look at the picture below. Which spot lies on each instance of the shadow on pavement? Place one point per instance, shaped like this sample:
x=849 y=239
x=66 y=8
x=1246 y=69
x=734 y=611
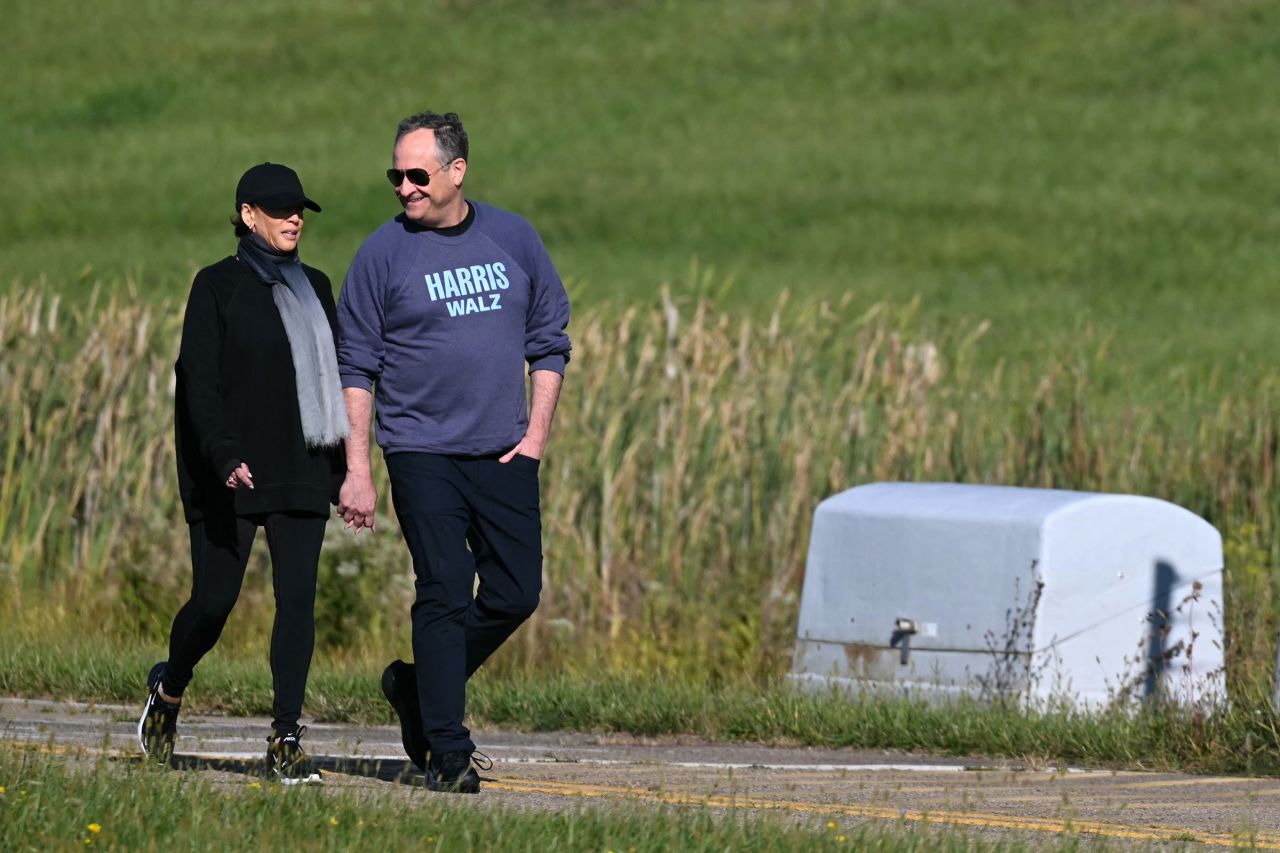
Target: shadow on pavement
x=402 y=772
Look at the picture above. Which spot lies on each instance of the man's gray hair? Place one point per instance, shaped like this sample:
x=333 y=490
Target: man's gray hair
x=451 y=139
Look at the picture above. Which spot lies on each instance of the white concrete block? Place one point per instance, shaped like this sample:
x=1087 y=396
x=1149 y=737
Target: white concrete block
x=1034 y=595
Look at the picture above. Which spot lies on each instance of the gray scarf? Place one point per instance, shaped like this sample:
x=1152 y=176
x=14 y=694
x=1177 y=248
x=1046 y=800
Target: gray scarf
x=315 y=364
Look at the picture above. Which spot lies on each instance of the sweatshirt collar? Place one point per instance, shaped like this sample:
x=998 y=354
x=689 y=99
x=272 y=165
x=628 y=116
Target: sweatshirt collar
x=459 y=229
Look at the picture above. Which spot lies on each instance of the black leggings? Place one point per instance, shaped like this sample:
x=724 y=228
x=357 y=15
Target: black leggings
x=219 y=552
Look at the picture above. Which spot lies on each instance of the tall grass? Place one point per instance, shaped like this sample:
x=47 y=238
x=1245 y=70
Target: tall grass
x=690 y=450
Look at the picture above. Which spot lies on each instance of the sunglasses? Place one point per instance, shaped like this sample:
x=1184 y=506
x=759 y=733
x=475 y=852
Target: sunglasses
x=417 y=177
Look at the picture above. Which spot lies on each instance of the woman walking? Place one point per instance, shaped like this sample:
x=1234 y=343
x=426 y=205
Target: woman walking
x=260 y=422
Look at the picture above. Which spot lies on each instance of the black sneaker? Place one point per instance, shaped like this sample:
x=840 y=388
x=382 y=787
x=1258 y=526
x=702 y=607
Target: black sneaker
x=400 y=686
x=158 y=725
x=452 y=773
x=286 y=760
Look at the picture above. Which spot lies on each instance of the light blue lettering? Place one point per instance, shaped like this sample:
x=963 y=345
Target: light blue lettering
x=464 y=280
x=481 y=278
x=474 y=305
x=434 y=290
x=450 y=286
x=500 y=275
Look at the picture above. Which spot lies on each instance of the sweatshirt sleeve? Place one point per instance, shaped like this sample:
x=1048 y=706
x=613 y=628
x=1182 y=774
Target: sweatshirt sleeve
x=361 y=320
x=546 y=346
x=199 y=358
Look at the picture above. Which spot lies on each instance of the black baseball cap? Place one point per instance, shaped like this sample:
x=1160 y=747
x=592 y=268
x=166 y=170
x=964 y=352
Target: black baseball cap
x=272 y=186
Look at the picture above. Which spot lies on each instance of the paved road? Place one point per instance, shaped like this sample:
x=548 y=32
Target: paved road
x=548 y=771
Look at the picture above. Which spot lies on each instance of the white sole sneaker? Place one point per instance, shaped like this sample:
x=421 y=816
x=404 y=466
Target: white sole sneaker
x=146 y=709
x=313 y=779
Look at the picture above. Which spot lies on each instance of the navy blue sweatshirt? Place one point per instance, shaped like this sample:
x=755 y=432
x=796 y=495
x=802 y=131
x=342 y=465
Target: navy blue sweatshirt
x=440 y=324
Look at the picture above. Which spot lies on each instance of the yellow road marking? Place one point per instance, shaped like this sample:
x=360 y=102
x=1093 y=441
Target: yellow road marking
x=40 y=746
x=1178 y=783
x=1112 y=830
x=1128 y=805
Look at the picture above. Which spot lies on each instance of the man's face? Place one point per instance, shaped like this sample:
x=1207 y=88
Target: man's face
x=426 y=205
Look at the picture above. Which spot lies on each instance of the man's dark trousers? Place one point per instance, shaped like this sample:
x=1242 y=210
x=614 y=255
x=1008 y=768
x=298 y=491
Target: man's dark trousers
x=445 y=503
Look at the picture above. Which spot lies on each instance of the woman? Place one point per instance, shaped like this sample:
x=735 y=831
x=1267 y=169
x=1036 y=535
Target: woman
x=260 y=423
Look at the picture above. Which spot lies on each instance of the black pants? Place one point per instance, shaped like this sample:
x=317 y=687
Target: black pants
x=445 y=503
x=219 y=552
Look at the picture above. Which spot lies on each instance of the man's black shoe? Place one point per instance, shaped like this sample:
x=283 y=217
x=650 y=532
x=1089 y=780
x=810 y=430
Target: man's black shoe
x=400 y=686
x=452 y=773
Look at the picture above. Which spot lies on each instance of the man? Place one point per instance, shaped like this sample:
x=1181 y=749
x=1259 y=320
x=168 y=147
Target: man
x=441 y=311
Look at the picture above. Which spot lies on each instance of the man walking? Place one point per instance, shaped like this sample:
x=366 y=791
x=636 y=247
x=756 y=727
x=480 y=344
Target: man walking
x=441 y=311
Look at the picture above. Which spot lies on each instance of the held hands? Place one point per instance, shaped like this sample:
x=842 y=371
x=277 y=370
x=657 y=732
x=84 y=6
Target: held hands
x=240 y=477
x=528 y=446
x=357 y=500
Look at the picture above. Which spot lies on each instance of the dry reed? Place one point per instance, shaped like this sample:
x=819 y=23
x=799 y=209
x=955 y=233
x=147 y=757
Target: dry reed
x=691 y=447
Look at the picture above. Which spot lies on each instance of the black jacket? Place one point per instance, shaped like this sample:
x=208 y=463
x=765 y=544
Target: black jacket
x=237 y=401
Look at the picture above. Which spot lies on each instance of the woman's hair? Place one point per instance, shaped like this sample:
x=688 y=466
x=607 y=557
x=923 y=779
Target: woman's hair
x=237 y=222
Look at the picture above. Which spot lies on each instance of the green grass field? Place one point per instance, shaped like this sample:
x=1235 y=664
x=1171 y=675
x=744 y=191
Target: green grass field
x=1051 y=167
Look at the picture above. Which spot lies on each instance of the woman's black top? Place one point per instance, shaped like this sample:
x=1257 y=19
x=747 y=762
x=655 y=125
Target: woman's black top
x=237 y=401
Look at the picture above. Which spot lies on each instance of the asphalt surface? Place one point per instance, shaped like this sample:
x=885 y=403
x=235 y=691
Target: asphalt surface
x=552 y=771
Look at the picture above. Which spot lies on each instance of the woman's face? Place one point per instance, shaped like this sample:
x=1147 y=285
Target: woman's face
x=279 y=228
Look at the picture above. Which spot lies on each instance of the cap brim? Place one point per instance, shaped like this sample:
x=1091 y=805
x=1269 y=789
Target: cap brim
x=277 y=202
